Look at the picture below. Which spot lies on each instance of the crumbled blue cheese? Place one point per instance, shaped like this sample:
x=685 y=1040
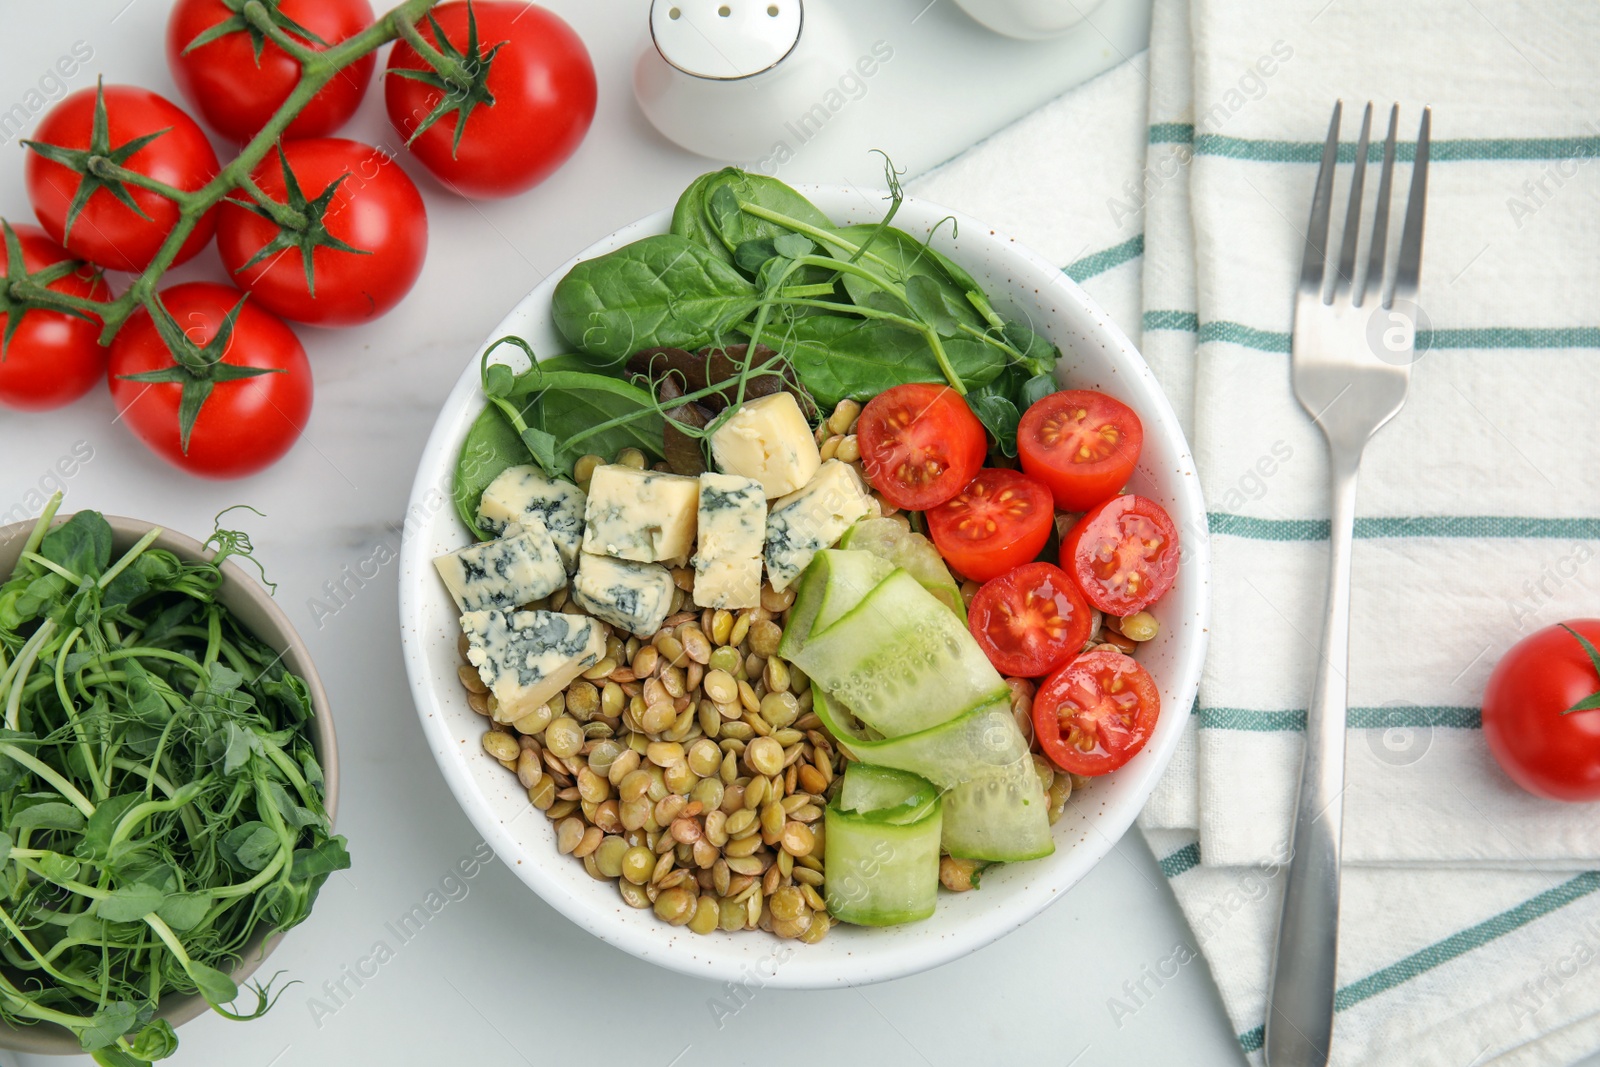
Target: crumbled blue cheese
x=803 y=523
x=520 y=492
x=633 y=596
x=640 y=515
x=520 y=567
x=528 y=657
x=768 y=439
x=732 y=529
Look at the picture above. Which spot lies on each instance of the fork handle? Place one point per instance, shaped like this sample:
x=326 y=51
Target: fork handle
x=1299 y=1025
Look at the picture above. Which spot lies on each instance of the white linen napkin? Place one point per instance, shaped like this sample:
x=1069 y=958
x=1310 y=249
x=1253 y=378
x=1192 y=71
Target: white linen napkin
x=1471 y=918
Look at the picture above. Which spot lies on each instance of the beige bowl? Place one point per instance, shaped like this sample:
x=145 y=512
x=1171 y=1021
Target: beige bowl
x=251 y=604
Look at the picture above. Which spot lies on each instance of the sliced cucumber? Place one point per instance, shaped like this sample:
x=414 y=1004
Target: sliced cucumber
x=883 y=862
x=900 y=660
x=998 y=815
x=975 y=742
x=893 y=795
x=911 y=552
x=833 y=583
x=994 y=808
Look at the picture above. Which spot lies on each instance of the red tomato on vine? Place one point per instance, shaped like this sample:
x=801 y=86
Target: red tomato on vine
x=518 y=104
x=344 y=208
x=222 y=395
x=109 y=220
x=237 y=78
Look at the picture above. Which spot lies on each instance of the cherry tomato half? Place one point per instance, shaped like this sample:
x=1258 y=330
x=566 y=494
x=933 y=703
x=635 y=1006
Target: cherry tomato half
x=1123 y=554
x=1082 y=444
x=237 y=91
x=106 y=231
x=540 y=79
x=999 y=520
x=53 y=358
x=1030 y=620
x=1096 y=713
x=920 y=444
x=375 y=208
x=1543 y=747
x=244 y=425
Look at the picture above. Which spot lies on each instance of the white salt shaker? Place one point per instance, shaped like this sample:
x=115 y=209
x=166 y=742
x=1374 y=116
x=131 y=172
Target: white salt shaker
x=1029 y=19
x=722 y=77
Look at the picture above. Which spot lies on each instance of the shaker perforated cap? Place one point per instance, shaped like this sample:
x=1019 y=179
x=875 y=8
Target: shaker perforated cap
x=725 y=39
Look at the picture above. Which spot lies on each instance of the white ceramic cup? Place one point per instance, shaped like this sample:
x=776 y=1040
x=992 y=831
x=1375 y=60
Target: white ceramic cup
x=721 y=77
x=1029 y=19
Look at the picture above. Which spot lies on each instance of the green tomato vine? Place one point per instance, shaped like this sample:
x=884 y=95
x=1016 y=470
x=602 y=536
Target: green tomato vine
x=460 y=76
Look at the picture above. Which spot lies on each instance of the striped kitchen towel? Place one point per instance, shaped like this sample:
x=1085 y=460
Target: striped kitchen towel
x=1471 y=931
x=1476 y=496
x=1471 y=921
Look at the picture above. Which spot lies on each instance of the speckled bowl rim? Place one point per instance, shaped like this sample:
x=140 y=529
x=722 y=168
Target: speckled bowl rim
x=242 y=594
x=1098 y=355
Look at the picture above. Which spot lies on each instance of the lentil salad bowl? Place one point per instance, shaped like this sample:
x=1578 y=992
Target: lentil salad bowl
x=705 y=697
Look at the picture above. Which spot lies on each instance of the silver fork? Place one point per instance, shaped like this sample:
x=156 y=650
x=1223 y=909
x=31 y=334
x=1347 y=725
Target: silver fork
x=1351 y=365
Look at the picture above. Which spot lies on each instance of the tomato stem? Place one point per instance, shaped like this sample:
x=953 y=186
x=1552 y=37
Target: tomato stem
x=1592 y=701
x=257 y=15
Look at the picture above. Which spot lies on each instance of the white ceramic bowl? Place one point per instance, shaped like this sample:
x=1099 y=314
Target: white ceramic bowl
x=1096 y=355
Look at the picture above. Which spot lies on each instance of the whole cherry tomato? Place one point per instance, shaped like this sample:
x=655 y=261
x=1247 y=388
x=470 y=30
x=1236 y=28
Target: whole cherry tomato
x=89 y=214
x=366 y=227
x=237 y=78
x=1541 y=716
x=527 y=98
x=48 y=358
x=252 y=379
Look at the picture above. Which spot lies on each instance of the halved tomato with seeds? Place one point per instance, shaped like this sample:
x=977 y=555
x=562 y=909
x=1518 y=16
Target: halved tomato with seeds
x=1124 y=554
x=920 y=444
x=1000 y=520
x=1096 y=713
x=1082 y=444
x=1030 y=620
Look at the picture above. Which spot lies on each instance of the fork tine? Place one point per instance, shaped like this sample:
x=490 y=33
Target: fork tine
x=1352 y=218
x=1311 y=263
x=1380 y=218
x=1410 y=264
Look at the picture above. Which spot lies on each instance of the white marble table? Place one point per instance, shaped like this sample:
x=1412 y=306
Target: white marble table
x=494 y=974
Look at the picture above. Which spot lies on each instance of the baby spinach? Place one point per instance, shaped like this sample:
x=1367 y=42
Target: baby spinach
x=899 y=260
x=999 y=404
x=158 y=784
x=691 y=222
x=661 y=291
x=837 y=357
x=717 y=198
x=490 y=447
x=550 y=414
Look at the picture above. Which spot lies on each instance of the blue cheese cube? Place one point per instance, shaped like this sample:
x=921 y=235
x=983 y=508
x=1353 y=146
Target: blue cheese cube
x=732 y=529
x=805 y=522
x=768 y=439
x=520 y=567
x=728 y=583
x=527 y=657
x=520 y=493
x=631 y=596
x=640 y=515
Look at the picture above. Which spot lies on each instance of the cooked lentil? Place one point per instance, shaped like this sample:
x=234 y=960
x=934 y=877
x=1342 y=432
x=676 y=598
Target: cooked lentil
x=688 y=768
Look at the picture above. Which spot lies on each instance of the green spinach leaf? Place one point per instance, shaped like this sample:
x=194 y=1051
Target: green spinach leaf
x=999 y=415
x=662 y=290
x=491 y=445
x=838 y=356
x=691 y=221
x=726 y=189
